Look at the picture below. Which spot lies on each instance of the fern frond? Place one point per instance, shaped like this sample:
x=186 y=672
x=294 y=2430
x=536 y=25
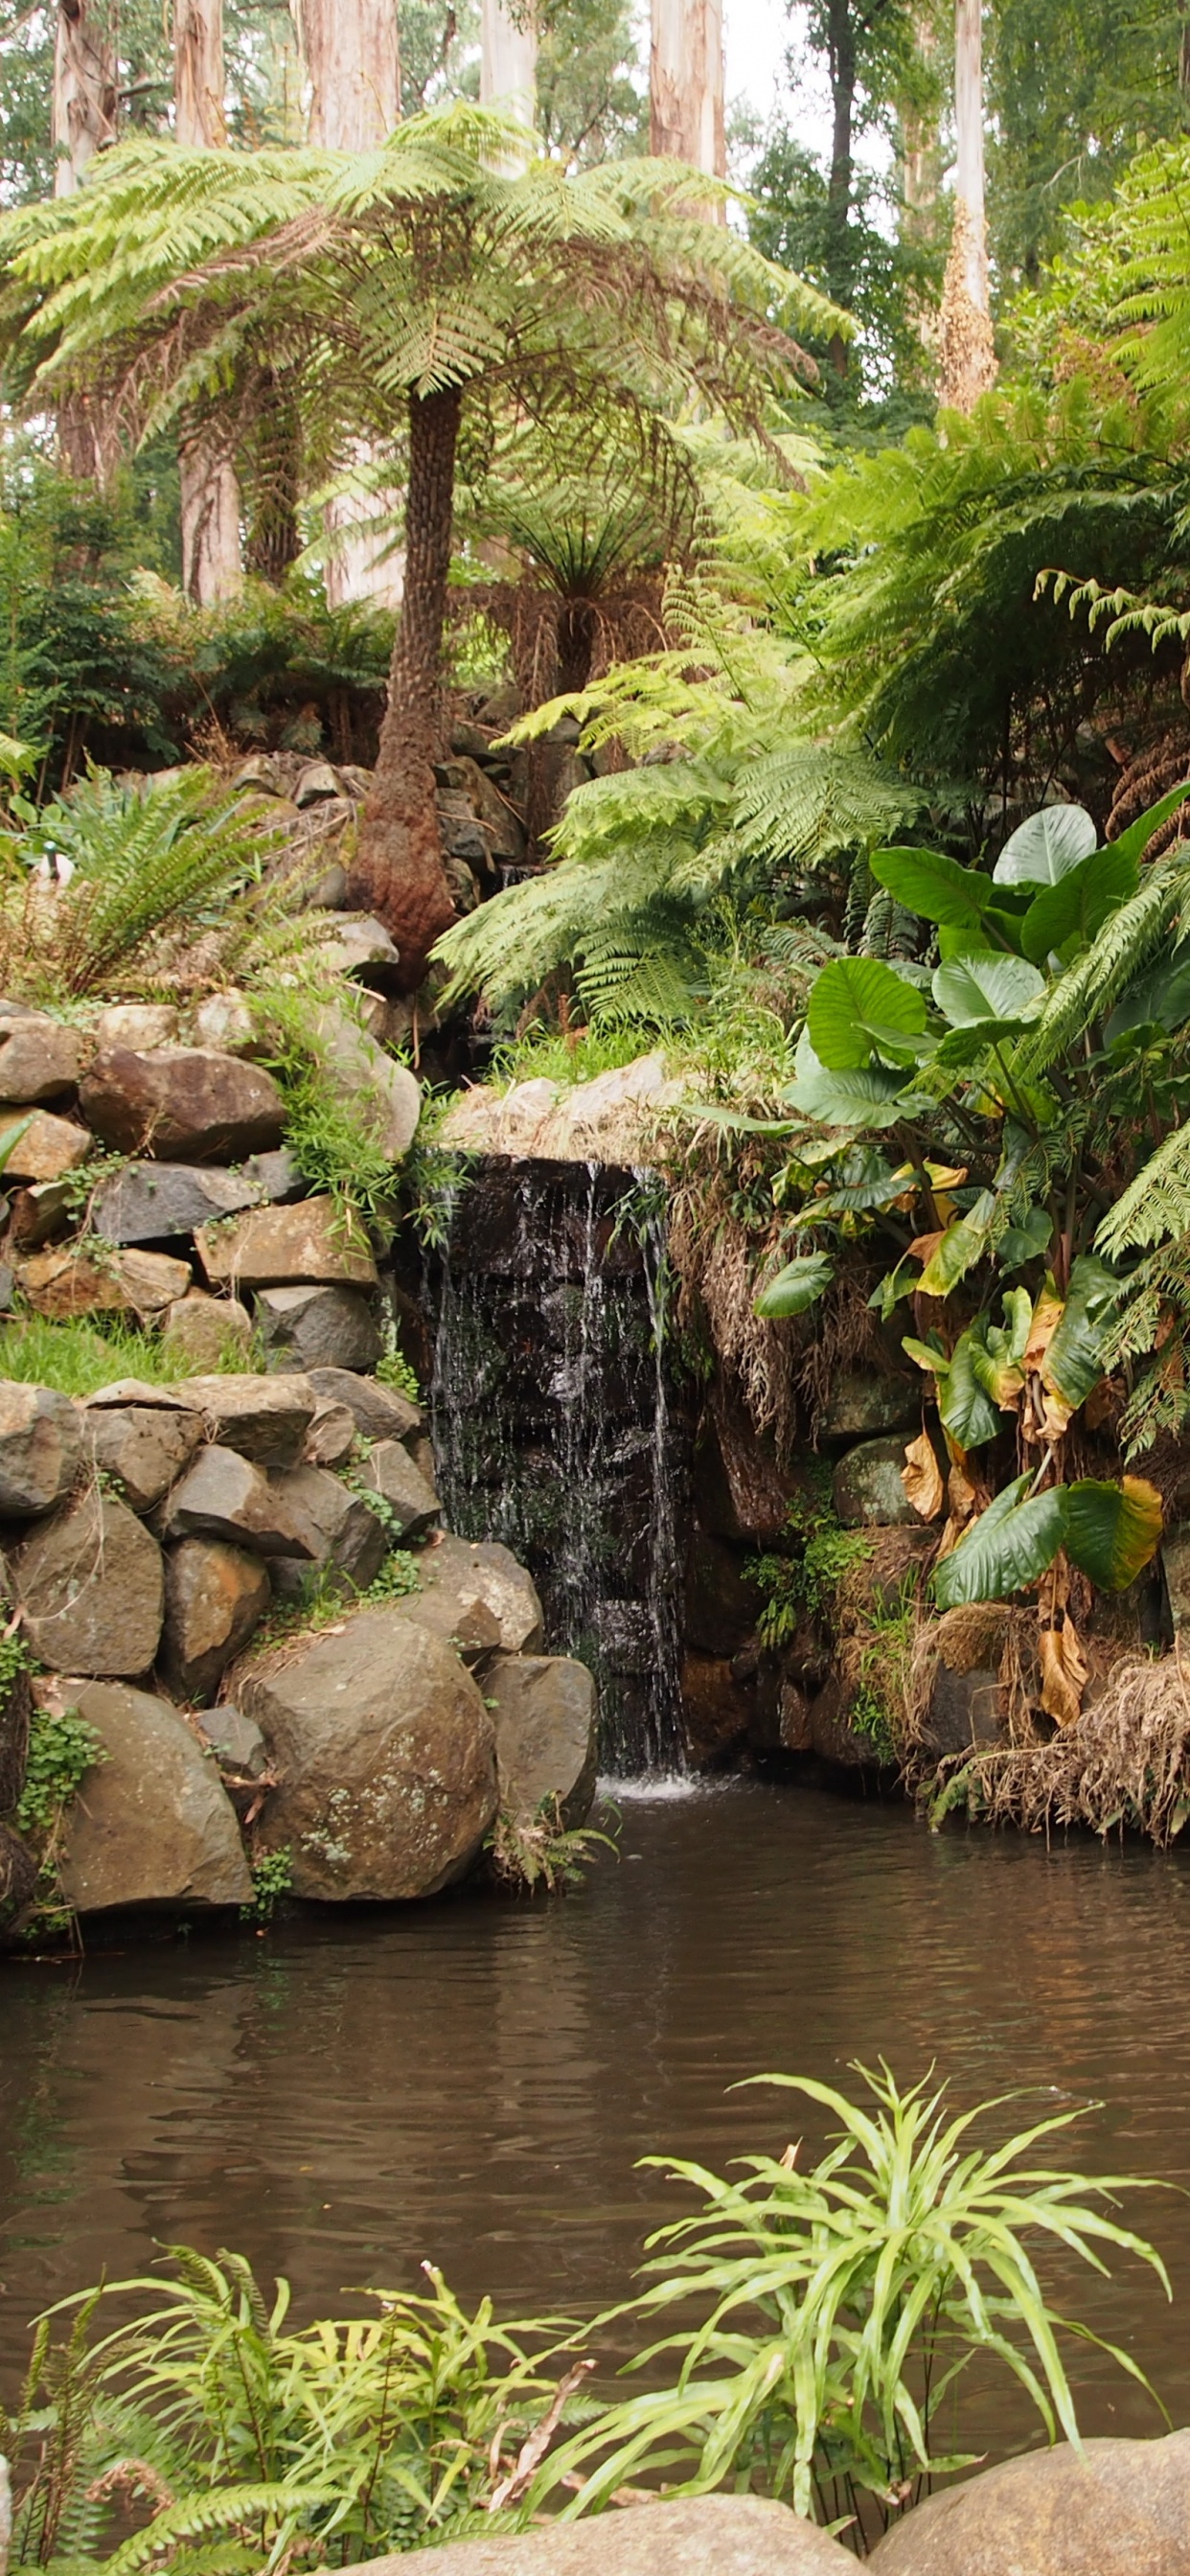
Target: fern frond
x=1089 y=987
x=1155 y=1206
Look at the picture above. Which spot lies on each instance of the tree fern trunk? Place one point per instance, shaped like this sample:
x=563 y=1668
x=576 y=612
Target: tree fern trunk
x=83 y=117
x=210 y=492
x=399 y=873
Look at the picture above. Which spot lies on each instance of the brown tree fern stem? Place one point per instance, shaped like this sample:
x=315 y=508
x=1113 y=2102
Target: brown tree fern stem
x=399 y=873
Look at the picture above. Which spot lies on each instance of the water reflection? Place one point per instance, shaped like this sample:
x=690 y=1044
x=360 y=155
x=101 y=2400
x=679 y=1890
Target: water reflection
x=472 y=2082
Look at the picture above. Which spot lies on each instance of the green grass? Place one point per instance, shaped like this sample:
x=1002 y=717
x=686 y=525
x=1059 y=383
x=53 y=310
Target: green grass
x=78 y=1357
x=566 y=1056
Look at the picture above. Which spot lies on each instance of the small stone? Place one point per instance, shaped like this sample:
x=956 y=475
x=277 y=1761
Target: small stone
x=49 y=1148
x=202 y=1331
x=265 y=1418
x=237 y=1739
x=330 y=1438
x=390 y=1472
x=91 y=1587
x=139 y=1025
x=184 y=1104
x=76 y=1281
x=485 y=1568
x=316 y=781
x=149 y=1202
x=224 y=1496
x=353 y=941
x=273 y=1247
x=41 y=1215
x=144 y=1448
x=545 y=1713
x=215 y=1597
x=345 y=1531
x=867 y=1488
x=41 y=1448
x=275 y=1178
x=154 y=1825
x=318 y=1328
x=379 y=1412
x=40 y=1059
x=224 y=1021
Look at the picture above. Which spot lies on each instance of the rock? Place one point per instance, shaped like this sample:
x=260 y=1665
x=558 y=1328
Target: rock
x=224 y=1022
x=77 y=1281
x=318 y=1328
x=215 y=1597
x=147 y=1202
x=465 y=1623
x=139 y=1025
x=614 y=1119
x=867 y=1488
x=545 y=1712
x=49 y=1148
x=344 y=1530
x=40 y=1060
x=1175 y=1563
x=716 y=2535
x=1121 y=2510
x=483 y=1569
x=18 y=1879
x=387 y=1761
x=722 y=1605
x=91 y=1586
x=330 y=1438
x=41 y=1215
x=741 y=1493
x=861 y=1403
x=503 y=830
x=265 y=1418
x=967 y=1707
x=224 y=1496
x=236 y=1739
x=15 y=1712
x=203 y=1330
x=390 y=1472
x=183 y=1104
x=831 y=1734
x=143 y=1447
x=275 y=1178
x=41 y=1448
x=360 y=1074
x=314 y=782
x=716 y=1710
x=272 y=1246
x=153 y=1824
x=379 y=1412
x=352 y=943
x=136 y=1390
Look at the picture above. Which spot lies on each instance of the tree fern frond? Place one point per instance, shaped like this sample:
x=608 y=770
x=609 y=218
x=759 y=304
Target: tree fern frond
x=1155 y=1206
x=1095 y=981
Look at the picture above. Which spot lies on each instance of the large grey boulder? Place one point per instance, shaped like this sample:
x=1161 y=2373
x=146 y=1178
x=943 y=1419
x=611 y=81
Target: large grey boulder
x=265 y=1418
x=867 y=1488
x=387 y=1760
x=41 y=1448
x=413 y=1505
x=148 y=1202
x=693 y=2536
x=317 y=1327
x=272 y=1246
x=1123 y=2509
x=202 y=1330
x=91 y=1586
x=379 y=1412
x=182 y=1104
x=223 y=1495
x=343 y=1530
x=464 y=1623
x=360 y=1074
x=546 y=1743
x=483 y=1569
x=40 y=1059
x=863 y=1402
x=215 y=1598
x=152 y=1825
x=145 y=1447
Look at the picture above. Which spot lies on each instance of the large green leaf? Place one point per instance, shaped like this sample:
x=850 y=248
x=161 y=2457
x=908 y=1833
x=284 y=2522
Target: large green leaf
x=962 y=1245
x=1025 y=1242
x=966 y=1409
x=1113 y=1530
x=1008 y=1547
x=1079 y=904
x=961 y=1049
x=979 y=984
x=800 y=1284
x=1159 y=998
x=933 y=886
x=854 y=1003
x=1139 y=834
x=1073 y=1363
x=1046 y=847
x=869 y=1098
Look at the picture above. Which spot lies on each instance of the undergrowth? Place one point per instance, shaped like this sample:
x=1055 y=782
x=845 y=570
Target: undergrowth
x=62 y=1749
x=541 y=1850
x=334 y=1137
x=77 y=1357
x=809 y=1580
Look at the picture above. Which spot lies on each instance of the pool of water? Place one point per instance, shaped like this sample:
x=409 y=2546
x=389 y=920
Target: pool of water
x=473 y=2081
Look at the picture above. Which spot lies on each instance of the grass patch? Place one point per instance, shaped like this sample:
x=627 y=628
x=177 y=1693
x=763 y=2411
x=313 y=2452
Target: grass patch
x=566 y=1055
x=78 y=1357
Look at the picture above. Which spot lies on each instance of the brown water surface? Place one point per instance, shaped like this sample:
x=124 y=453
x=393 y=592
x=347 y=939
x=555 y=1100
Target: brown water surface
x=473 y=2081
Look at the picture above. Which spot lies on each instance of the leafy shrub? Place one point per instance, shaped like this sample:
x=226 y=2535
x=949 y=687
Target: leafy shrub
x=336 y=1139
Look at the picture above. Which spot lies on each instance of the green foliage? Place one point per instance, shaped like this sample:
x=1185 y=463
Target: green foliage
x=272 y=1882
x=541 y=1850
x=826 y=2316
x=62 y=1749
x=335 y=1135
x=811 y=1580
x=78 y=1357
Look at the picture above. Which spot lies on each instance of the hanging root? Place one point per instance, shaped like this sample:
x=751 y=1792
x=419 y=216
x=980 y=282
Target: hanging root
x=1125 y=1761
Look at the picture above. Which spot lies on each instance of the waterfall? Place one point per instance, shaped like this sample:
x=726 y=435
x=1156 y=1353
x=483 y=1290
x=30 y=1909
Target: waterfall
x=557 y=1425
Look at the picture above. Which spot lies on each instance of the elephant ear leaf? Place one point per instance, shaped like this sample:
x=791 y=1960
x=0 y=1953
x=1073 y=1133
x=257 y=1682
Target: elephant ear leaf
x=1112 y=1531
x=1046 y=847
x=964 y=1402
x=1007 y=1548
x=1079 y=904
x=799 y=1285
x=1073 y=1361
x=857 y=1008
x=934 y=887
x=963 y=1244
x=978 y=984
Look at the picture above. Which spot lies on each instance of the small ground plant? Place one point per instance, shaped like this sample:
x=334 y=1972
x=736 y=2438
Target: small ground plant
x=541 y=1850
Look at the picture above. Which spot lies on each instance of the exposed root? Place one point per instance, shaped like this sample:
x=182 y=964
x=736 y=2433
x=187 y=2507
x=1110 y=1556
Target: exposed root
x=1125 y=1761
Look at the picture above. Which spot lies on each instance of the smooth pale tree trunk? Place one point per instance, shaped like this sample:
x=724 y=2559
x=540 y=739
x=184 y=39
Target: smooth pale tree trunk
x=686 y=84
x=211 y=568
x=508 y=61
x=966 y=347
x=399 y=873
x=353 y=61
x=83 y=116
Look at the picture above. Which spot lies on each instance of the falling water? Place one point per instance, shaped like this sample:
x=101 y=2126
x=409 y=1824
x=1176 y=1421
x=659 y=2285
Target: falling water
x=556 y=1427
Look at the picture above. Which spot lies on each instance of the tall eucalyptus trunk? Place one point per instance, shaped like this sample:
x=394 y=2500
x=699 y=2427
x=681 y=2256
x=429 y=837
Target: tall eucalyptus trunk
x=686 y=84
x=83 y=114
x=399 y=873
x=508 y=60
x=966 y=346
x=210 y=493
